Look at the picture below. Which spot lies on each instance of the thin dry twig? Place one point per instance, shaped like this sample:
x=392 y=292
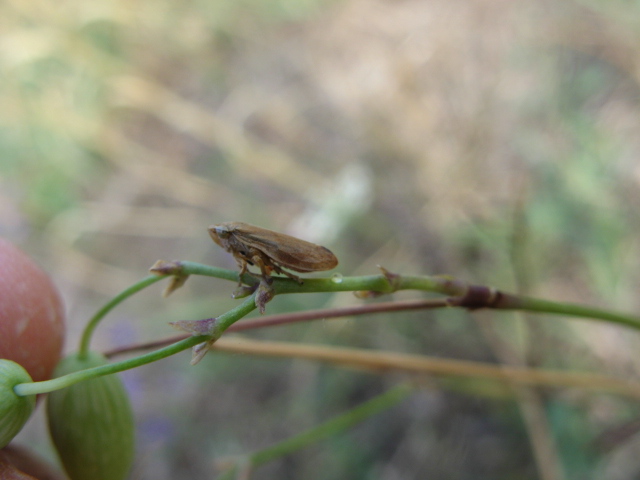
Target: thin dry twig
x=287 y=318
x=380 y=361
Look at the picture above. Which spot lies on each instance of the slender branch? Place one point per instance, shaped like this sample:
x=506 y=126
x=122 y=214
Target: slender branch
x=320 y=432
x=325 y=313
x=335 y=425
x=95 y=320
x=378 y=361
x=35 y=388
x=543 y=443
x=288 y=318
x=513 y=302
x=384 y=361
x=461 y=293
x=224 y=321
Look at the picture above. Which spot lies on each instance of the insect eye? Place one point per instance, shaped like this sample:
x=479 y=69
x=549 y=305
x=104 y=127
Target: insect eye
x=222 y=232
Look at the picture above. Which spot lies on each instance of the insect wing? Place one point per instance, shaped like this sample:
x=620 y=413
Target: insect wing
x=289 y=252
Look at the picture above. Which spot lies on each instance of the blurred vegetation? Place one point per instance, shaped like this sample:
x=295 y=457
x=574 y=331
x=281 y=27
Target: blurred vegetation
x=494 y=141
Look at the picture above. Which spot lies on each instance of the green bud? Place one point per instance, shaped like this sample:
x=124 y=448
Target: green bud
x=91 y=423
x=14 y=409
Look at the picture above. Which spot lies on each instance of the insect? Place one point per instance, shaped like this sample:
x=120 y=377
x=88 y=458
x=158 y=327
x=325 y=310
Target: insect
x=271 y=251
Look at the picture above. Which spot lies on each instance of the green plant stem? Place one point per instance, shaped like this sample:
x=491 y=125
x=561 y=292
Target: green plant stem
x=335 y=425
x=384 y=283
x=95 y=320
x=190 y=268
x=227 y=319
x=588 y=313
x=331 y=427
x=193 y=268
x=436 y=284
x=34 y=388
x=223 y=322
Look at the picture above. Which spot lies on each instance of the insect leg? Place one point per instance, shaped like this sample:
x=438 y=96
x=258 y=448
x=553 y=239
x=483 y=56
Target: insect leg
x=242 y=264
x=277 y=269
x=292 y=276
x=267 y=266
x=262 y=263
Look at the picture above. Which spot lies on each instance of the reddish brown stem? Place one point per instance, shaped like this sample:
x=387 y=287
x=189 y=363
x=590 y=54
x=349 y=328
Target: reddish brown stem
x=286 y=318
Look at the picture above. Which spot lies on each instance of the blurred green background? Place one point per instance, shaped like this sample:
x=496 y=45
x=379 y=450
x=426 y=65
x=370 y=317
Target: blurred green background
x=495 y=141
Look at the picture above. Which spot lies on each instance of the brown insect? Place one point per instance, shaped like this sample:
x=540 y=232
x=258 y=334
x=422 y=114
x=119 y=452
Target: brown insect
x=271 y=251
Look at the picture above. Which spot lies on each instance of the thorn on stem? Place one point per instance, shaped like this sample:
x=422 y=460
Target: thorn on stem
x=178 y=279
x=264 y=294
x=392 y=278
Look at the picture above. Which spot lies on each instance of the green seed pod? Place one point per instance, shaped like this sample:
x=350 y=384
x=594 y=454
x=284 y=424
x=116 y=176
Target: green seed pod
x=14 y=409
x=91 y=423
